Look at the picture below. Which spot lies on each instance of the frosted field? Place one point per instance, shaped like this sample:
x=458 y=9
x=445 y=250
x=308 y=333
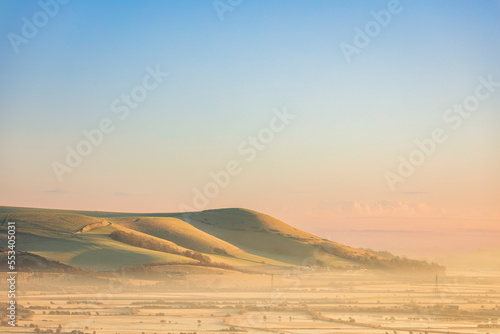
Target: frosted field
x=316 y=303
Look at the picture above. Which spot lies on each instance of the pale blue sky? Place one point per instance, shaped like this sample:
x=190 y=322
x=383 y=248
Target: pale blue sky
x=225 y=79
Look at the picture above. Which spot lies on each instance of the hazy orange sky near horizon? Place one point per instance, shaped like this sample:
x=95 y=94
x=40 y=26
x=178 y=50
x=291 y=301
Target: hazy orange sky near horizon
x=309 y=134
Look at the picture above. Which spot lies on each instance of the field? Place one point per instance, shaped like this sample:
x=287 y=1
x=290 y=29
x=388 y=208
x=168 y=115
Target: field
x=295 y=301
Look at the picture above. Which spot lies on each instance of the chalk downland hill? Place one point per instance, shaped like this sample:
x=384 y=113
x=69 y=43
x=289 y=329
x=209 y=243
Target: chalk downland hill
x=234 y=239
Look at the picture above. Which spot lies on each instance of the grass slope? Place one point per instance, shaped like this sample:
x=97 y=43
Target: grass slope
x=178 y=232
x=263 y=235
x=237 y=237
x=58 y=237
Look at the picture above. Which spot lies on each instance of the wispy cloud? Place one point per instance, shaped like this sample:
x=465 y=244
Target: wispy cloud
x=55 y=191
x=124 y=194
x=382 y=208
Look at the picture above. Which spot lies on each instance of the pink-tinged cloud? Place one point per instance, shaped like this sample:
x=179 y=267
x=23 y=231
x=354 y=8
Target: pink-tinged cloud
x=56 y=191
x=125 y=194
x=383 y=208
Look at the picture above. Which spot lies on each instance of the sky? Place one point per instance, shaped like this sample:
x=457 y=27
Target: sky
x=351 y=120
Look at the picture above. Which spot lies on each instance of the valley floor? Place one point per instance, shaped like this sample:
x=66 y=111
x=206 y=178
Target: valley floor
x=296 y=302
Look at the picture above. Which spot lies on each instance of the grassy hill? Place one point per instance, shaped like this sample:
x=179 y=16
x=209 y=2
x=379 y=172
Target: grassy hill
x=223 y=238
x=27 y=261
x=64 y=238
x=178 y=232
